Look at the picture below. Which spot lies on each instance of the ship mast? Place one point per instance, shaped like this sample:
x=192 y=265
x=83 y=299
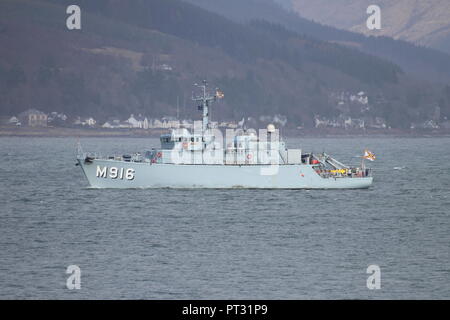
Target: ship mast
x=205 y=100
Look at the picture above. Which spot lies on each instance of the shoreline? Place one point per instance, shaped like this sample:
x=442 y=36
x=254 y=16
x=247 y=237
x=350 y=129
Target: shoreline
x=59 y=132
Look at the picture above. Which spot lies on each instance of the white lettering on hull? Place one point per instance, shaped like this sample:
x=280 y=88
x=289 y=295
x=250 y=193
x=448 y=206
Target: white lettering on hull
x=115 y=173
x=101 y=172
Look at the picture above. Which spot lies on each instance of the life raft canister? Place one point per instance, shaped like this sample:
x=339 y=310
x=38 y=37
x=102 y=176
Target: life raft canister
x=249 y=156
x=159 y=155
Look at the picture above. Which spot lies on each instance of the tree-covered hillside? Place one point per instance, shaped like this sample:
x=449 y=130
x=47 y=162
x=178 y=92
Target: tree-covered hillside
x=144 y=56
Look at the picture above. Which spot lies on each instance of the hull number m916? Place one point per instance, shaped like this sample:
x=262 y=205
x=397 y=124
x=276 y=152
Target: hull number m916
x=115 y=173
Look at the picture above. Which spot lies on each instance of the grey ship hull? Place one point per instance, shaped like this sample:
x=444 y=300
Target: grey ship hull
x=146 y=175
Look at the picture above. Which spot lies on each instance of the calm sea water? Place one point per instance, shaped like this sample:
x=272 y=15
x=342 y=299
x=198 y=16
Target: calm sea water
x=222 y=244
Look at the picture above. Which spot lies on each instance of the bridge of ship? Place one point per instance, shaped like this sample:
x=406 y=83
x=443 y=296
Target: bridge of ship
x=182 y=147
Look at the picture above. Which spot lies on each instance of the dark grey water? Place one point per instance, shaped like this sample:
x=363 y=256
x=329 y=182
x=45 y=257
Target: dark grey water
x=220 y=244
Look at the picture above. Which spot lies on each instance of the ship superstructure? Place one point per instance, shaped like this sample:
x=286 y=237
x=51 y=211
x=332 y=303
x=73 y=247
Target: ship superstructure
x=204 y=158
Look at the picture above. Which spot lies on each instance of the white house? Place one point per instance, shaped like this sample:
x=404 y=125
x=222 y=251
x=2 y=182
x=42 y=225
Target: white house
x=33 y=118
x=55 y=115
x=89 y=122
x=134 y=123
x=14 y=121
x=186 y=124
x=165 y=67
x=354 y=123
x=157 y=124
x=140 y=122
x=174 y=124
x=124 y=125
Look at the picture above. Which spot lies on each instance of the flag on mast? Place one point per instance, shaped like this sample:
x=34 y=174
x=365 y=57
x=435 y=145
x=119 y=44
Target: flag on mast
x=219 y=94
x=369 y=155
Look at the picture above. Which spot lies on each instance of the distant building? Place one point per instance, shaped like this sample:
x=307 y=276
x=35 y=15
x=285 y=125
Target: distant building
x=89 y=122
x=57 y=119
x=164 y=67
x=134 y=123
x=173 y=124
x=430 y=124
x=187 y=124
x=111 y=123
x=77 y=121
x=157 y=124
x=124 y=125
x=107 y=125
x=139 y=122
x=378 y=123
x=14 y=121
x=339 y=122
x=351 y=123
x=142 y=122
x=165 y=123
x=322 y=122
x=33 y=118
x=162 y=63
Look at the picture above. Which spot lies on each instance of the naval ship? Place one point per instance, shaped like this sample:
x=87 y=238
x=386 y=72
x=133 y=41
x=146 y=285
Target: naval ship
x=201 y=158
